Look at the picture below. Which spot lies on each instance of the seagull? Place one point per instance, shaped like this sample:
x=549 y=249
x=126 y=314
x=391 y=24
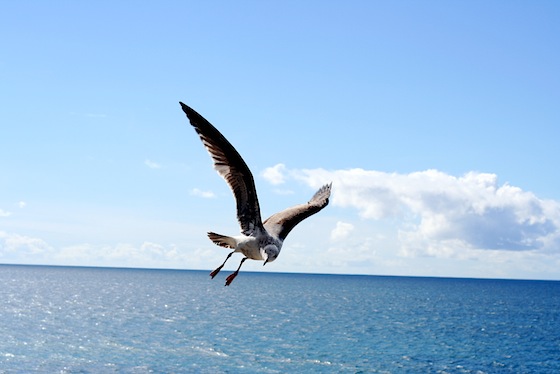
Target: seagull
x=259 y=240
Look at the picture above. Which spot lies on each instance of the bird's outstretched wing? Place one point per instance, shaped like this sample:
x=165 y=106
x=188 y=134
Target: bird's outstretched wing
x=229 y=164
x=281 y=223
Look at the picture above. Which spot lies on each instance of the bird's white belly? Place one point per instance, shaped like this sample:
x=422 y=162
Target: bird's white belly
x=249 y=246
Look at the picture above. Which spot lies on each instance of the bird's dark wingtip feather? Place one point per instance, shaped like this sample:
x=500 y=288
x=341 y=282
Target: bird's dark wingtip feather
x=193 y=116
x=187 y=109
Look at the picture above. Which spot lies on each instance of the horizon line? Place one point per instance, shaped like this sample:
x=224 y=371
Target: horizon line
x=278 y=272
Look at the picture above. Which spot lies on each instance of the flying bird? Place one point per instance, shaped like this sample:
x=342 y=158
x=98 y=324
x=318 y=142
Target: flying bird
x=259 y=240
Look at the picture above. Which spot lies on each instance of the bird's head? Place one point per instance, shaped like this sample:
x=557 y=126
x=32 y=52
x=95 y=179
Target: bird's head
x=269 y=253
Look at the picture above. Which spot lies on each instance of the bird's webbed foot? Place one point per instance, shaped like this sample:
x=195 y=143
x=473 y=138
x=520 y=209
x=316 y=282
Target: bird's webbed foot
x=232 y=276
x=217 y=270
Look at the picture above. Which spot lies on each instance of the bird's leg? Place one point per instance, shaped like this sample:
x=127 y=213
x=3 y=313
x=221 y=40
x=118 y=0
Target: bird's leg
x=232 y=276
x=215 y=272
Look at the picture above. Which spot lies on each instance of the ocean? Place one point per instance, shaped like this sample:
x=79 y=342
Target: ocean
x=104 y=320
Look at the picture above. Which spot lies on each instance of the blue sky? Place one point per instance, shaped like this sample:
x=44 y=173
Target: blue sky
x=437 y=123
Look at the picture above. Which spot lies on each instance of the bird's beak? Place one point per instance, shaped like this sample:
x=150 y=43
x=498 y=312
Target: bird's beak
x=265 y=261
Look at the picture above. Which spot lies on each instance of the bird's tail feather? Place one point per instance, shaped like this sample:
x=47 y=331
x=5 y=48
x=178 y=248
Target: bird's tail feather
x=222 y=240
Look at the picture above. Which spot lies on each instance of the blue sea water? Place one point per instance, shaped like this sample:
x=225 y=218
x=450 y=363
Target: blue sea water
x=101 y=320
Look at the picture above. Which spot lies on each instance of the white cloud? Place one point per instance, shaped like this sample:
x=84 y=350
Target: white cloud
x=204 y=194
x=152 y=164
x=275 y=174
x=18 y=246
x=22 y=249
x=6 y=213
x=146 y=254
x=441 y=215
x=342 y=230
x=424 y=223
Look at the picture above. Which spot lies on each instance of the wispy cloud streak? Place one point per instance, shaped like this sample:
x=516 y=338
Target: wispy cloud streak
x=204 y=194
x=5 y=213
x=152 y=164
